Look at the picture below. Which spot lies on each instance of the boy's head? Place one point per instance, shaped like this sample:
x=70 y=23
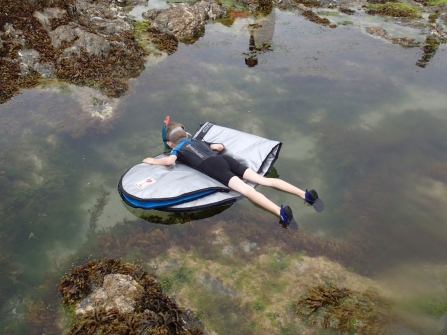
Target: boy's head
x=175 y=132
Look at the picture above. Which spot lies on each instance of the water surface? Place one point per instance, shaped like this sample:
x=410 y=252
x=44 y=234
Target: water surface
x=359 y=122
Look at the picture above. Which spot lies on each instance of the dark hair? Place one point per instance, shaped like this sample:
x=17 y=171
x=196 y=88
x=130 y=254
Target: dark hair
x=175 y=132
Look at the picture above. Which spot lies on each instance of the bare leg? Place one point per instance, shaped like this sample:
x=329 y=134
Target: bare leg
x=280 y=184
x=238 y=185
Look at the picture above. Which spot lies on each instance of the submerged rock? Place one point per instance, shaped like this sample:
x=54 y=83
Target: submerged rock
x=117 y=291
x=405 y=41
x=115 y=297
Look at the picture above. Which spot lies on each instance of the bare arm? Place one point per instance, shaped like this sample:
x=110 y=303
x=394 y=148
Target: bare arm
x=168 y=160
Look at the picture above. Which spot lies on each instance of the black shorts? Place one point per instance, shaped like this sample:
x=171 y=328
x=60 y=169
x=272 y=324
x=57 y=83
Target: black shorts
x=222 y=168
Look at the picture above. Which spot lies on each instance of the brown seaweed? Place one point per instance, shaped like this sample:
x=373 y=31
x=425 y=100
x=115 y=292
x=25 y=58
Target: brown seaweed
x=97 y=210
x=109 y=74
x=163 y=41
x=347 y=311
x=155 y=312
x=311 y=16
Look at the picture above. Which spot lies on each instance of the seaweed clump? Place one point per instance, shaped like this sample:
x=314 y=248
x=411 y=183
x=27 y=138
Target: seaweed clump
x=19 y=15
x=154 y=312
x=11 y=80
x=347 y=311
x=164 y=42
x=105 y=74
x=311 y=16
x=346 y=11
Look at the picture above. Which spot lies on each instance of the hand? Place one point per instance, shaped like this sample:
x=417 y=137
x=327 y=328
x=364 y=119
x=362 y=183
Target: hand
x=148 y=160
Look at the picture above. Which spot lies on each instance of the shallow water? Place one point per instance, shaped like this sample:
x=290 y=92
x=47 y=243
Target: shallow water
x=359 y=122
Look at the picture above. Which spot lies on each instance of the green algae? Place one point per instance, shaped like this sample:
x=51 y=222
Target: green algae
x=393 y=9
x=434 y=307
x=258 y=306
x=141 y=27
x=436 y=2
x=175 y=279
x=231 y=5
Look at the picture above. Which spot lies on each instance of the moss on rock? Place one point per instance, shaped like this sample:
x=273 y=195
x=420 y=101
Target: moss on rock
x=393 y=9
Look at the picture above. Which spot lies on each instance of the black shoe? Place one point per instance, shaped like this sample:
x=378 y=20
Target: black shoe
x=285 y=215
x=311 y=197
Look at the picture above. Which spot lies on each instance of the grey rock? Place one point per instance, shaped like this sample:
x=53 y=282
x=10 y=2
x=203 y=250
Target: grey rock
x=117 y=291
x=184 y=20
x=404 y=41
x=73 y=33
x=248 y=246
x=377 y=31
x=45 y=15
x=227 y=250
x=216 y=285
x=30 y=61
x=104 y=20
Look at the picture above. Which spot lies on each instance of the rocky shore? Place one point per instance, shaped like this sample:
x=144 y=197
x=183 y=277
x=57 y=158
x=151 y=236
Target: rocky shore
x=94 y=43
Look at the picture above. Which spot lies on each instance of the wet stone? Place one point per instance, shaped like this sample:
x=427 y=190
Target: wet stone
x=184 y=21
x=227 y=250
x=216 y=285
x=248 y=246
x=117 y=291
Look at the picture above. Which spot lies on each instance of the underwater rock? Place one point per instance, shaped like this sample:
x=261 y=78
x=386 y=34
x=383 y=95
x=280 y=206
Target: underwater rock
x=227 y=250
x=117 y=291
x=216 y=285
x=87 y=112
x=350 y=312
x=121 y=298
x=186 y=22
x=404 y=41
x=377 y=31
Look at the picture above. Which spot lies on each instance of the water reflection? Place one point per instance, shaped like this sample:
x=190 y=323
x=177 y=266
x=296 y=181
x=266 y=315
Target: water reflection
x=261 y=35
x=167 y=218
x=429 y=48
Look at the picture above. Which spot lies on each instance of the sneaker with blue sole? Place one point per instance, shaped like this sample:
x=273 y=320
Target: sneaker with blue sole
x=312 y=198
x=285 y=215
